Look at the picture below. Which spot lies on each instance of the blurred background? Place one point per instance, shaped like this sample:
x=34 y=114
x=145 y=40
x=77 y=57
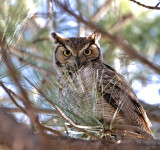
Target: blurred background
x=26 y=27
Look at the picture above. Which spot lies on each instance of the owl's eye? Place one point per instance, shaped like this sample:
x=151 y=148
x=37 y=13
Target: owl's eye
x=87 y=52
x=67 y=53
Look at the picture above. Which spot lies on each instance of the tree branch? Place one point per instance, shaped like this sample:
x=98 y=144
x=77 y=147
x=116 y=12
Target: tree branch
x=121 y=22
x=50 y=129
x=11 y=97
x=102 y=11
x=18 y=137
x=149 y=7
x=38 y=110
x=34 y=110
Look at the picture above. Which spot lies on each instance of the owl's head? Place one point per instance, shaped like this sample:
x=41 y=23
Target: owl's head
x=73 y=53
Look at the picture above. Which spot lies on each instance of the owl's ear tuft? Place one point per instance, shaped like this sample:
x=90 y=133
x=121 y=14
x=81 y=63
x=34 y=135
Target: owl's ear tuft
x=94 y=36
x=58 y=38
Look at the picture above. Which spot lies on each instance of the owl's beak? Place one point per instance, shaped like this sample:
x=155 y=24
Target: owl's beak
x=77 y=62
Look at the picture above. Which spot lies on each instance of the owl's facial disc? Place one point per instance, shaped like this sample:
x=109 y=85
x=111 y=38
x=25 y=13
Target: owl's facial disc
x=73 y=59
x=73 y=53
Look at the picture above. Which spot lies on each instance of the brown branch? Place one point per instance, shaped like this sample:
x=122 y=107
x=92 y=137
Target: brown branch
x=50 y=129
x=18 y=137
x=115 y=39
x=102 y=11
x=149 y=7
x=11 y=97
x=157 y=4
x=37 y=110
x=40 y=40
x=13 y=72
x=121 y=22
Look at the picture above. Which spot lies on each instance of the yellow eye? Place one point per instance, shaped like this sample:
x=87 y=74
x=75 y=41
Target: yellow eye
x=67 y=53
x=87 y=52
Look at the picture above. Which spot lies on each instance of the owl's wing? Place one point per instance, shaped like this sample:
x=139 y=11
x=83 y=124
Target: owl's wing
x=119 y=94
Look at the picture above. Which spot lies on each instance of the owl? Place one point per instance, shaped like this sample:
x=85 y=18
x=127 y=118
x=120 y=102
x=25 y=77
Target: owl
x=81 y=59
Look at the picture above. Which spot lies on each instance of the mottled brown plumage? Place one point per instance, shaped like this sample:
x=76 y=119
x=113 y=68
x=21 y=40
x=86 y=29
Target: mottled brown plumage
x=82 y=56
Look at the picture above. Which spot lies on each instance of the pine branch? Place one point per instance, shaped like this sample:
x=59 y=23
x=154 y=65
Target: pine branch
x=153 y=112
x=59 y=111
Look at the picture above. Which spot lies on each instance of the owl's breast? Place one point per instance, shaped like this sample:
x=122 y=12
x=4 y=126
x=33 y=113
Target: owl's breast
x=88 y=89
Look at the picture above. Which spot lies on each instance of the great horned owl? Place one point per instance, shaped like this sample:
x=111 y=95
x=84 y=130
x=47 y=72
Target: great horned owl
x=82 y=55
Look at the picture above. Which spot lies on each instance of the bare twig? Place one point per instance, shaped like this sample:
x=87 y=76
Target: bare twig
x=50 y=129
x=157 y=4
x=115 y=39
x=40 y=40
x=37 y=110
x=149 y=7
